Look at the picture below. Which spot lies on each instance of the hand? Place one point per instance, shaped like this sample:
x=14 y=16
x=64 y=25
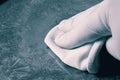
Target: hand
x=83 y=28
x=86 y=27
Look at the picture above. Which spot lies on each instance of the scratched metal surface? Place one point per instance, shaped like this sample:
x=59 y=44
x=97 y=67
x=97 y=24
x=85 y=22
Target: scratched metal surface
x=23 y=26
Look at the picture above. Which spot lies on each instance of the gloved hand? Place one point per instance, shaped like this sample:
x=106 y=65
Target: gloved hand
x=85 y=27
x=78 y=40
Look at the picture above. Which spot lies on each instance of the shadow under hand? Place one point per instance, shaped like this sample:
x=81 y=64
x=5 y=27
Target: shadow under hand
x=2 y=1
x=109 y=66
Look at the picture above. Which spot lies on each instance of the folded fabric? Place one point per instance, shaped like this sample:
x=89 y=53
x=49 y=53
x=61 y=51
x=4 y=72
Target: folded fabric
x=83 y=58
x=78 y=40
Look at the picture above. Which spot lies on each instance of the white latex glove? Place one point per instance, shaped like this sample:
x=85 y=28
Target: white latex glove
x=84 y=27
x=78 y=40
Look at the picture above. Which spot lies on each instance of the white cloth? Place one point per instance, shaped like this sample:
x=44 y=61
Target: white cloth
x=77 y=41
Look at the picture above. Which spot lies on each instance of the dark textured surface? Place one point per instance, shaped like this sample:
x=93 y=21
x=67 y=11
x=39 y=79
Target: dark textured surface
x=23 y=26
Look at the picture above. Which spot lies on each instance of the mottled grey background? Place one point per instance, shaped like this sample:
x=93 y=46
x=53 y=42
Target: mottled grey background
x=23 y=54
